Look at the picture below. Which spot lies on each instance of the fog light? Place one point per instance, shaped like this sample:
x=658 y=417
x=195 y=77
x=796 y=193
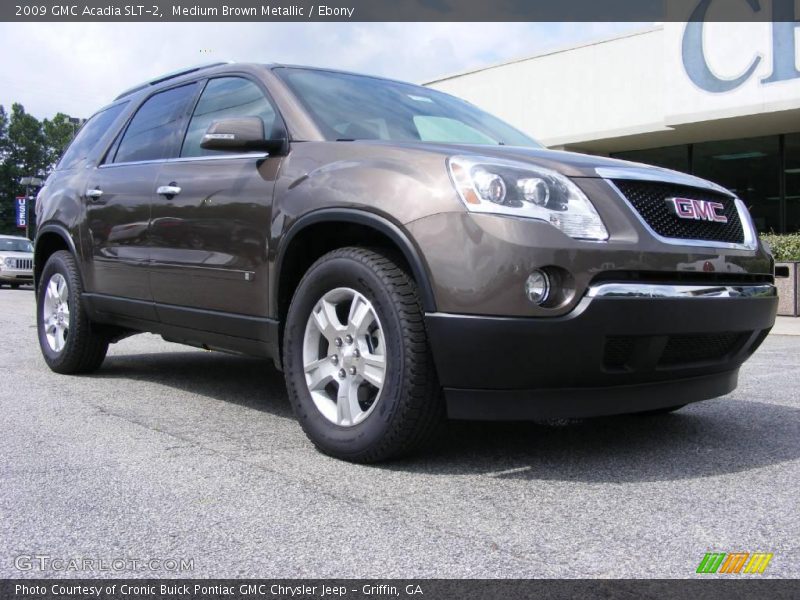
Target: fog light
x=537 y=287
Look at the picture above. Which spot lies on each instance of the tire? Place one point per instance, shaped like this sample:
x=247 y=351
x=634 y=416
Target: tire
x=387 y=325
x=660 y=411
x=14 y=286
x=74 y=346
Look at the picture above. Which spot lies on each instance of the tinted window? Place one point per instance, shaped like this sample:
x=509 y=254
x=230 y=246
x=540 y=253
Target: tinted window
x=358 y=107
x=154 y=131
x=89 y=135
x=224 y=98
x=432 y=129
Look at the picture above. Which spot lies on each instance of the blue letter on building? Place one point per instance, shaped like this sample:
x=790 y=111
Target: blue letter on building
x=694 y=59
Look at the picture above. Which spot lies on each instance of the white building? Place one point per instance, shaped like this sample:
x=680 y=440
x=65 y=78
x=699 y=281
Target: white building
x=721 y=100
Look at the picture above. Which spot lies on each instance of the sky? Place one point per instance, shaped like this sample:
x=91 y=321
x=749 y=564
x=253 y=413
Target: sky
x=76 y=68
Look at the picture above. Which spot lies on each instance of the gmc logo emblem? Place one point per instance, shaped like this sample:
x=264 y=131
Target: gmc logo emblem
x=697 y=210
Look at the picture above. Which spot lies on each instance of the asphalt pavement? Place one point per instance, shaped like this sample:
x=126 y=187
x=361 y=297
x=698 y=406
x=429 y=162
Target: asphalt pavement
x=175 y=454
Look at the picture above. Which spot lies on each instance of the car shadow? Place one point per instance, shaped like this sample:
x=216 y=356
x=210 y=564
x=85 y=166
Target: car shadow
x=248 y=382
x=716 y=437
x=711 y=438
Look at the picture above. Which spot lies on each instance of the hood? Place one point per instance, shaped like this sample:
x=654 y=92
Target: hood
x=571 y=164
x=9 y=254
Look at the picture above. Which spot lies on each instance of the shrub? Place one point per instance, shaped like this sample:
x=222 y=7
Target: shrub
x=785 y=247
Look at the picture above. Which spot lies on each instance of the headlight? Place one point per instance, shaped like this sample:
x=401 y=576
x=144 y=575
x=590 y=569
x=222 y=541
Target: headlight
x=8 y=261
x=493 y=185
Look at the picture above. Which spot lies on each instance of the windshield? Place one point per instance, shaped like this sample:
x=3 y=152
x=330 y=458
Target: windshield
x=14 y=245
x=357 y=107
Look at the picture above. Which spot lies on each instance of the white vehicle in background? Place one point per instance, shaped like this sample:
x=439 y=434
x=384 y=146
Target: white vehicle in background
x=16 y=260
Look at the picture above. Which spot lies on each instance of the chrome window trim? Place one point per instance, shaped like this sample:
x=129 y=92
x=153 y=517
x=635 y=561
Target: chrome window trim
x=750 y=235
x=181 y=159
x=654 y=290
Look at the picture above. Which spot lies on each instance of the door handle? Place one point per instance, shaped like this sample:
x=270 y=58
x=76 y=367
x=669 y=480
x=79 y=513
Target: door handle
x=94 y=193
x=168 y=190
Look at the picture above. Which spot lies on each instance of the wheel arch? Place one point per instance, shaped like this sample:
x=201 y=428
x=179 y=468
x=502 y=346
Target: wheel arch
x=294 y=256
x=50 y=238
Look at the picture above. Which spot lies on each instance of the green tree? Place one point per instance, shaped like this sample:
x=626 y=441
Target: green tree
x=58 y=133
x=28 y=147
x=3 y=132
x=27 y=143
x=7 y=187
x=25 y=155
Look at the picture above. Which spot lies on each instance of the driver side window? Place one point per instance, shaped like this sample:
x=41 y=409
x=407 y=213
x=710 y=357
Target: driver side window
x=224 y=98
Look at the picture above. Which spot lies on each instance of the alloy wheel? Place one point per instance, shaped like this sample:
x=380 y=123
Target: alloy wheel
x=55 y=312
x=344 y=356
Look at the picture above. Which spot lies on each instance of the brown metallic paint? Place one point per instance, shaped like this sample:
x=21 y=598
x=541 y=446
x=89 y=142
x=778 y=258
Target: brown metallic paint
x=208 y=245
x=228 y=222
x=117 y=225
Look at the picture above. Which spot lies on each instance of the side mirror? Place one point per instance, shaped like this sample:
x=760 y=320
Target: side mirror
x=241 y=134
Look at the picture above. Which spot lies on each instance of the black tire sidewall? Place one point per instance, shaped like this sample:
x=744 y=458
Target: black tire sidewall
x=338 y=272
x=63 y=265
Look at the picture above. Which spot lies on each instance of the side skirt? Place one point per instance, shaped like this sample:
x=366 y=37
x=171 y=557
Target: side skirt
x=212 y=330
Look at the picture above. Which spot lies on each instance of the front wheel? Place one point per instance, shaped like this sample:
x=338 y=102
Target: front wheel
x=69 y=343
x=358 y=368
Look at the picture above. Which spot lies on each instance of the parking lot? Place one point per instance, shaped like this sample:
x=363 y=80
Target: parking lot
x=174 y=453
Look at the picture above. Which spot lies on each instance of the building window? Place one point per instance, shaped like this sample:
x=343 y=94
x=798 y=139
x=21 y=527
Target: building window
x=792 y=174
x=750 y=168
x=671 y=157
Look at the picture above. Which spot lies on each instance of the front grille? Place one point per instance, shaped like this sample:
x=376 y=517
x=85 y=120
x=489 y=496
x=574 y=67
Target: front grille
x=687 y=349
x=649 y=199
x=618 y=351
x=676 y=351
x=23 y=264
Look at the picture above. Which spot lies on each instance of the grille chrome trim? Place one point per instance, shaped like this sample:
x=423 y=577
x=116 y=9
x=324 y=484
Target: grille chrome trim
x=648 y=290
x=750 y=236
x=659 y=175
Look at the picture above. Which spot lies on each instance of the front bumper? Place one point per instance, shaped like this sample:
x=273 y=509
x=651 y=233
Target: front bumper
x=16 y=276
x=619 y=351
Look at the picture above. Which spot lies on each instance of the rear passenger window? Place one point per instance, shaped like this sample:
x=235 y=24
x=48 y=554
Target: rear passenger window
x=154 y=132
x=224 y=98
x=89 y=135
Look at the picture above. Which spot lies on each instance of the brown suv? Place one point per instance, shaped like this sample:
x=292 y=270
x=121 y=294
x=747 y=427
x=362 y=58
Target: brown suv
x=400 y=254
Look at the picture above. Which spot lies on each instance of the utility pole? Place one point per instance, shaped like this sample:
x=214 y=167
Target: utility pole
x=76 y=123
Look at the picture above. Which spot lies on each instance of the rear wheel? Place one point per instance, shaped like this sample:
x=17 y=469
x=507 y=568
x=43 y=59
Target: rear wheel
x=68 y=341
x=358 y=368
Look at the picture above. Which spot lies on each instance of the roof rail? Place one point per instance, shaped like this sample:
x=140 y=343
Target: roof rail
x=167 y=77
